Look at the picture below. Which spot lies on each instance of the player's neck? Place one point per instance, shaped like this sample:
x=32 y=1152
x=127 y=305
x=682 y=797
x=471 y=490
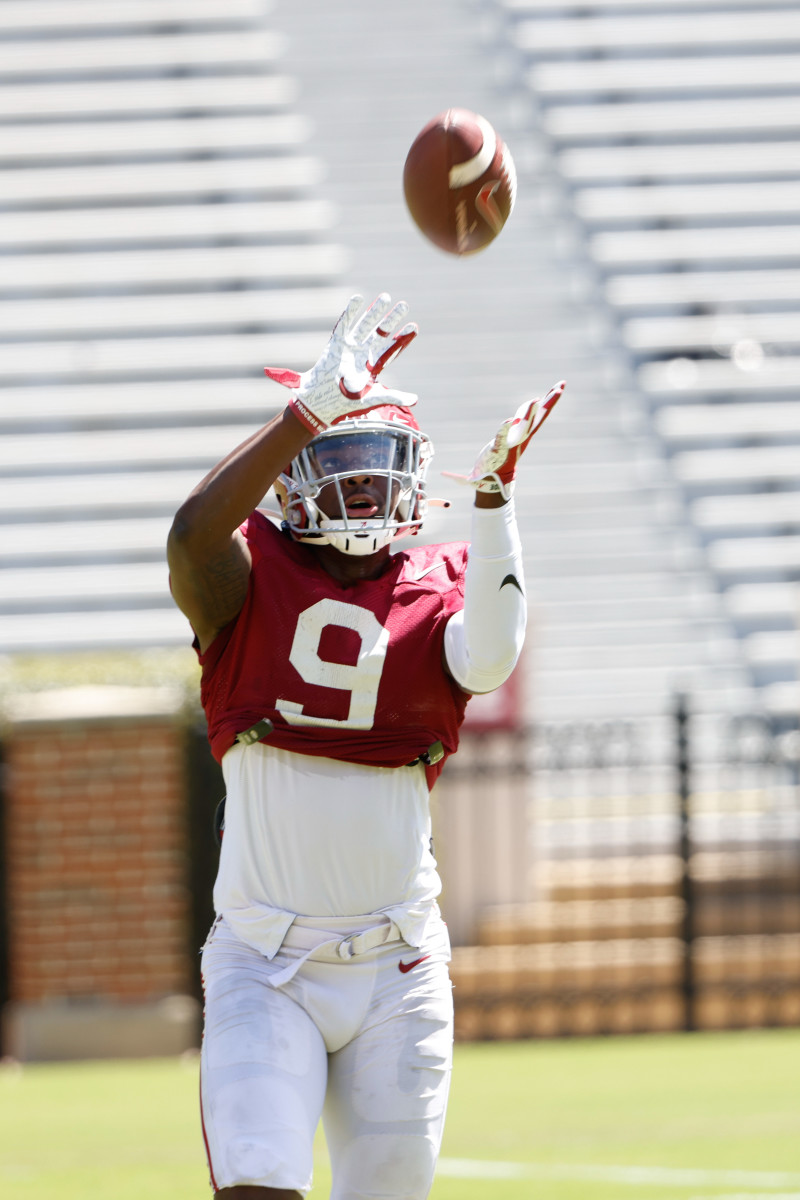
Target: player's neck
x=349 y=569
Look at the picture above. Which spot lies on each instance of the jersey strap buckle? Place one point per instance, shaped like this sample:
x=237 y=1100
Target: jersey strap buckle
x=255 y=733
x=434 y=754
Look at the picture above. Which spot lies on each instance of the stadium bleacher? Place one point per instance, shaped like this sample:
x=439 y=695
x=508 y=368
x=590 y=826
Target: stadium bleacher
x=177 y=210
x=674 y=128
x=161 y=239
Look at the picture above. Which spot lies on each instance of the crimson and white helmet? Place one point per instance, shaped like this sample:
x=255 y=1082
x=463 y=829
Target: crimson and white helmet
x=384 y=442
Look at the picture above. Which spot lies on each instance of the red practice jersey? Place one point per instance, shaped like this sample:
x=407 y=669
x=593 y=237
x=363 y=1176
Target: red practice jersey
x=353 y=673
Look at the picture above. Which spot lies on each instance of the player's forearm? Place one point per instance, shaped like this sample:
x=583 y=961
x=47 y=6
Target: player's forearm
x=483 y=643
x=237 y=484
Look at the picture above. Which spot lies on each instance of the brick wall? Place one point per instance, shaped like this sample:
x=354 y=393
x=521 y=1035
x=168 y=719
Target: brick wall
x=97 y=894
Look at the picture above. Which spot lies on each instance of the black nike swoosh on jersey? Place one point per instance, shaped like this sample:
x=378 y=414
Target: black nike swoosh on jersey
x=511 y=579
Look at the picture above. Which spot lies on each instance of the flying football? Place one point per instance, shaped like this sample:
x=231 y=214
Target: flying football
x=459 y=182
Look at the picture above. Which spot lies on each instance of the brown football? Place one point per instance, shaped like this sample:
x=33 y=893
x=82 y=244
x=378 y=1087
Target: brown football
x=459 y=181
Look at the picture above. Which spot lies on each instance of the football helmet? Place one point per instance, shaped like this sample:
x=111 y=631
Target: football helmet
x=373 y=464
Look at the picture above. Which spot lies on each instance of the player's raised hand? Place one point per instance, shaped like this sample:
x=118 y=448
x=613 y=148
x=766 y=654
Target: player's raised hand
x=496 y=465
x=344 y=380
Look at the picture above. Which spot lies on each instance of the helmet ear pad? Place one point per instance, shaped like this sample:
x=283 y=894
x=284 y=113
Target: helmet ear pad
x=298 y=521
x=394 y=448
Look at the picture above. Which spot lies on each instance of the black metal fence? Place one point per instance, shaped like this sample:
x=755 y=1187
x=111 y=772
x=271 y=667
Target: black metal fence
x=657 y=876
x=598 y=877
x=205 y=787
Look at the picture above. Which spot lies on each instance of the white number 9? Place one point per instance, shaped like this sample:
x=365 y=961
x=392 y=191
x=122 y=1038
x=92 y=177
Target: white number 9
x=361 y=680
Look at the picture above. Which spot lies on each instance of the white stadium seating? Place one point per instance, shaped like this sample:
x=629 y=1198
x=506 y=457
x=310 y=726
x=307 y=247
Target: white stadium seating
x=174 y=224
x=721 y=334
x=150 y=96
x=661 y=120
x=717 y=245
x=139 y=54
x=170 y=222
x=202 y=181
x=162 y=237
x=682 y=29
x=668 y=164
x=675 y=135
x=665 y=76
x=20 y=17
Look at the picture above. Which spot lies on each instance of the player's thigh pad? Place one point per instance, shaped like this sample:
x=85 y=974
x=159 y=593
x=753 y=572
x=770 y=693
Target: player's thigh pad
x=388 y=1087
x=263 y=1072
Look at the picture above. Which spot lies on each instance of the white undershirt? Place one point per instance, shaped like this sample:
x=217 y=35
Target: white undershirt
x=317 y=837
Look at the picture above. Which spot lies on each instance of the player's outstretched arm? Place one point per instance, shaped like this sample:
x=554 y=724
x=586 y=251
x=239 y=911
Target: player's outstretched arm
x=483 y=641
x=208 y=557
x=209 y=560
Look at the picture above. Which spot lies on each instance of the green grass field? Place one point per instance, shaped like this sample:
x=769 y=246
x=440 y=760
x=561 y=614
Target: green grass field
x=664 y=1118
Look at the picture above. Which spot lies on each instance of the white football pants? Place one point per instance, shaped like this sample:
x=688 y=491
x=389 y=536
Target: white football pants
x=363 y=1042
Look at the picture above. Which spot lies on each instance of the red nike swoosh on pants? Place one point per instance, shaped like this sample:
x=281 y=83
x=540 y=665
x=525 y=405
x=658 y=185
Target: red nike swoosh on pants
x=404 y=967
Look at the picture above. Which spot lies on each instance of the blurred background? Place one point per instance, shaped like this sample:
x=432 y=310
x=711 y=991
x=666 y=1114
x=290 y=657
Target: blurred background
x=190 y=192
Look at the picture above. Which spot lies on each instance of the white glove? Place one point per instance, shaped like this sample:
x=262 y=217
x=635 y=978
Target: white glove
x=343 y=380
x=496 y=465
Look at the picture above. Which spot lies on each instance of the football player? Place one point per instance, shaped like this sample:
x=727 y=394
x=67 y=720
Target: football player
x=335 y=676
